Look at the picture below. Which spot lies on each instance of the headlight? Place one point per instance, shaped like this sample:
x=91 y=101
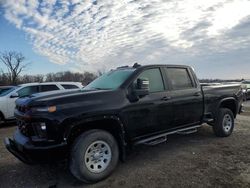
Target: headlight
x=45 y=109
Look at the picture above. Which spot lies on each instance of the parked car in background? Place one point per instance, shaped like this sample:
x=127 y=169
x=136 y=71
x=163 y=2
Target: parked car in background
x=4 y=89
x=9 y=94
x=246 y=89
x=248 y=94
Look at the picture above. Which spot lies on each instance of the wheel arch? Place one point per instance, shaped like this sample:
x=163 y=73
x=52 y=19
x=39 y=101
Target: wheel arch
x=111 y=124
x=229 y=103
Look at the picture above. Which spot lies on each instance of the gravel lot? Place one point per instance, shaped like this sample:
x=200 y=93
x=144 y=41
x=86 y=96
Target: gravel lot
x=196 y=160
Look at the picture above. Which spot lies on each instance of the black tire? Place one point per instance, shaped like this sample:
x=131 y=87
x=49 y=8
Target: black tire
x=224 y=123
x=79 y=165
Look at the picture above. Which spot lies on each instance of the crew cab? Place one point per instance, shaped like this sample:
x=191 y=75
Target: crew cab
x=96 y=126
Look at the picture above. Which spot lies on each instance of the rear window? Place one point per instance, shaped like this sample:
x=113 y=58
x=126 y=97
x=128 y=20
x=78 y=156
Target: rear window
x=45 y=88
x=179 y=78
x=69 y=86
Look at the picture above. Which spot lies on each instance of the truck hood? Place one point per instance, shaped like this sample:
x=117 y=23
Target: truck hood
x=68 y=98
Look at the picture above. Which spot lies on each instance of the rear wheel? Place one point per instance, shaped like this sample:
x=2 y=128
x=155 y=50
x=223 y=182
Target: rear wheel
x=224 y=123
x=94 y=156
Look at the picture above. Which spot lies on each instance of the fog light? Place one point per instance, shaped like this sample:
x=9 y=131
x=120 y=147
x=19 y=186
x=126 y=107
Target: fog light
x=40 y=129
x=43 y=126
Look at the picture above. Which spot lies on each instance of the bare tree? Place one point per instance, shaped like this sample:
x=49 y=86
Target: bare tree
x=84 y=78
x=31 y=78
x=4 y=78
x=14 y=62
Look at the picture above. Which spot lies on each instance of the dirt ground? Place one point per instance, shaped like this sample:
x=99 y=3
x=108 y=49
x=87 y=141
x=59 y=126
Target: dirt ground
x=196 y=160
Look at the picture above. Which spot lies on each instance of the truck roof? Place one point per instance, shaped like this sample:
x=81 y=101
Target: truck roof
x=137 y=66
x=45 y=83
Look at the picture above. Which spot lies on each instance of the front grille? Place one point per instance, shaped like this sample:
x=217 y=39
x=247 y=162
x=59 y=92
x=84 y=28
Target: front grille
x=25 y=128
x=22 y=109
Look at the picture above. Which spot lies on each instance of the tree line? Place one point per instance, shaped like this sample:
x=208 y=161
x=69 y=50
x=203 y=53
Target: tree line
x=66 y=76
x=15 y=64
x=219 y=80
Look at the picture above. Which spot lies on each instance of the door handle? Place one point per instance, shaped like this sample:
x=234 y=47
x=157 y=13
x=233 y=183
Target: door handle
x=166 y=98
x=197 y=94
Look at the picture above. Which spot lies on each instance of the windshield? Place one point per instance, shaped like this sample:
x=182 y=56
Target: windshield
x=6 y=91
x=111 y=80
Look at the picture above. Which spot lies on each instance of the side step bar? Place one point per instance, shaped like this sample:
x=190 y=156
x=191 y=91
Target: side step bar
x=156 y=141
x=187 y=132
x=208 y=120
x=159 y=137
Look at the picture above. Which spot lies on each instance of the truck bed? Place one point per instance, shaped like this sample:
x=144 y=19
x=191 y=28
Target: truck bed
x=214 y=94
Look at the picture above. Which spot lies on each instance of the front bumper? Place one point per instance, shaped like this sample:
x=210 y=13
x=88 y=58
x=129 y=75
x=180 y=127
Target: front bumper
x=12 y=148
x=22 y=148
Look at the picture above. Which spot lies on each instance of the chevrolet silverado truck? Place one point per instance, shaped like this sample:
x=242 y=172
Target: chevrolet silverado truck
x=96 y=126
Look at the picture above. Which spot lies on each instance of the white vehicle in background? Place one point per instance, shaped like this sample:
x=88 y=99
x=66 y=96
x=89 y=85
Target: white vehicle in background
x=246 y=89
x=9 y=94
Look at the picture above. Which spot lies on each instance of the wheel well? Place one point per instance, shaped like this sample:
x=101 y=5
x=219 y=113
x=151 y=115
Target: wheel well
x=109 y=125
x=230 y=104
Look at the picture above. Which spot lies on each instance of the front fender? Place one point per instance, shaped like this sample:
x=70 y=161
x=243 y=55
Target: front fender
x=80 y=126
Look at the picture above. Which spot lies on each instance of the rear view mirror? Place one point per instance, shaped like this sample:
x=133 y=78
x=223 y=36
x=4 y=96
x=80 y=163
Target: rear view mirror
x=142 y=87
x=14 y=95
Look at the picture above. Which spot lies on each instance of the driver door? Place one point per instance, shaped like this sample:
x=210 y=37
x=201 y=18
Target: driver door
x=147 y=115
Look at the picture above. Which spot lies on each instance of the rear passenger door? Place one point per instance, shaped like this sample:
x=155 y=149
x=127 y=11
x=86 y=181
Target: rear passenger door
x=186 y=96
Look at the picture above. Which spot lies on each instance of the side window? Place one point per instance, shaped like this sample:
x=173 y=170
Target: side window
x=29 y=90
x=45 y=88
x=69 y=86
x=155 y=79
x=179 y=78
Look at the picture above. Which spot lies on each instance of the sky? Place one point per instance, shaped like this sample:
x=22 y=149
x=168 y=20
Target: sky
x=213 y=36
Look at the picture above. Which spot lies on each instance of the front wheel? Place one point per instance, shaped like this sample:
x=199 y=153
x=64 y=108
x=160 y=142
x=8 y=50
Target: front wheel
x=224 y=123
x=94 y=156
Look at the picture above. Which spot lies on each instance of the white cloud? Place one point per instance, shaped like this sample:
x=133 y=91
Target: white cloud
x=96 y=33
x=228 y=16
x=14 y=19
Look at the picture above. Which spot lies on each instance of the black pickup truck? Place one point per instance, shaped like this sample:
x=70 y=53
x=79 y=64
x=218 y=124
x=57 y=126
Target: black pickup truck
x=96 y=126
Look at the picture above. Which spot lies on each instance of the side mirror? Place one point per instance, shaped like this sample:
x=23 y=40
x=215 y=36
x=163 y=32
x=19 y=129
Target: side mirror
x=142 y=87
x=14 y=95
